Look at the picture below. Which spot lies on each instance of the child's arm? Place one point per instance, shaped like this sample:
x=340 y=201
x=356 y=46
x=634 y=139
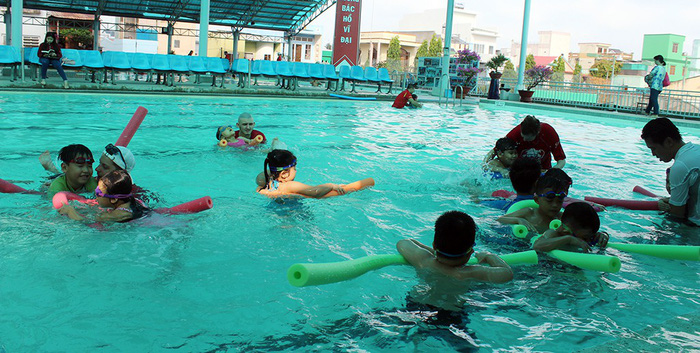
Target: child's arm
x=414 y=103
x=114 y=216
x=414 y=252
x=498 y=270
x=518 y=217
x=496 y=166
x=70 y=212
x=318 y=191
x=47 y=163
x=553 y=240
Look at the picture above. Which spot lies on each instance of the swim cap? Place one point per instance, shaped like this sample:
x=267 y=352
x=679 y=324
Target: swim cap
x=121 y=156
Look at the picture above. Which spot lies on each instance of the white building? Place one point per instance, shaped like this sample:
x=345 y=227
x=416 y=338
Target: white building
x=551 y=43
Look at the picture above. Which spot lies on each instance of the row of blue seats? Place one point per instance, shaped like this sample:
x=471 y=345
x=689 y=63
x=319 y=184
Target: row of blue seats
x=299 y=70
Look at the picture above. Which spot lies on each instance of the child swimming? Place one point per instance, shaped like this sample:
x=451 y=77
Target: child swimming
x=506 y=154
x=280 y=169
x=578 y=231
x=549 y=196
x=113 y=193
x=76 y=164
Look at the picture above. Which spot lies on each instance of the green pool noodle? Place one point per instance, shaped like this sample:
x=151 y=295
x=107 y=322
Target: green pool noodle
x=673 y=252
x=593 y=262
x=520 y=231
x=309 y=274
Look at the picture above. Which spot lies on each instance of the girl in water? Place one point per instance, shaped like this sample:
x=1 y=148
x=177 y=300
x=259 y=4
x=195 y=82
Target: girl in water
x=280 y=169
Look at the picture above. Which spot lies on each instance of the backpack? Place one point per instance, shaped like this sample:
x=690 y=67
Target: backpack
x=667 y=81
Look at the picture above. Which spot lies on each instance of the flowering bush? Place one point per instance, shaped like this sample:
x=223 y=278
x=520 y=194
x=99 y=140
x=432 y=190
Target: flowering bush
x=537 y=75
x=468 y=71
x=466 y=56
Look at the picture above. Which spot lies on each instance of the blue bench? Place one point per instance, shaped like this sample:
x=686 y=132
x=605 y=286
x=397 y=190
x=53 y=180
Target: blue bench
x=9 y=57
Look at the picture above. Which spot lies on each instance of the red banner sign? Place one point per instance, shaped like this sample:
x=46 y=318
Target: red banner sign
x=346 y=46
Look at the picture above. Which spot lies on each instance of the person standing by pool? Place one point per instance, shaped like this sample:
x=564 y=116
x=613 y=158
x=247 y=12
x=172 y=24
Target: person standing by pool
x=665 y=142
x=50 y=53
x=536 y=140
x=406 y=97
x=655 y=80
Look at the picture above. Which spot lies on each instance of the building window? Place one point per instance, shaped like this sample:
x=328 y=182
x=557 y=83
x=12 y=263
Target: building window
x=176 y=43
x=267 y=56
x=30 y=41
x=600 y=50
x=490 y=49
x=675 y=48
x=673 y=70
x=307 y=54
x=479 y=48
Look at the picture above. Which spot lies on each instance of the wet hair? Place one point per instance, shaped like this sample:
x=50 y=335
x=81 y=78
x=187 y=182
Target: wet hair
x=560 y=175
x=549 y=182
x=505 y=144
x=524 y=174
x=277 y=159
x=68 y=153
x=118 y=182
x=530 y=126
x=581 y=215
x=414 y=96
x=219 y=131
x=412 y=86
x=659 y=129
x=455 y=233
x=660 y=58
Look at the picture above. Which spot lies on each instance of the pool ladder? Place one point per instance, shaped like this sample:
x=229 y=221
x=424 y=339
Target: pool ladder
x=458 y=88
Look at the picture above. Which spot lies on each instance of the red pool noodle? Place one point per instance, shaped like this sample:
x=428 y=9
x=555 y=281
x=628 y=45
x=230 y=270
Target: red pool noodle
x=62 y=198
x=502 y=193
x=194 y=206
x=628 y=204
x=9 y=188
x=643 y=191
x=131 y=128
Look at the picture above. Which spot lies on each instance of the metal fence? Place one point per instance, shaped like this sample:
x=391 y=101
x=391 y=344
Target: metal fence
x=685 y=104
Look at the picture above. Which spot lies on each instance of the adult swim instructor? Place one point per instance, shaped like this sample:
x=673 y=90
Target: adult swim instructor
x=538 y=141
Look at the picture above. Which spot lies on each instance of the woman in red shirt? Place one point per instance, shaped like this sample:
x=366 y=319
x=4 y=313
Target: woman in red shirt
x=50 y=53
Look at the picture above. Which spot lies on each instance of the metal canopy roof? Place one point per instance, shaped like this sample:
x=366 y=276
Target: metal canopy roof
x=280 y=15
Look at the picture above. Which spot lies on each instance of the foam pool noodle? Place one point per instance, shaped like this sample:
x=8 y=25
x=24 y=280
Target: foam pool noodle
x=673 y=252
x=131 y=127
x=310 y=274
x=593 y=262
x=194 y=206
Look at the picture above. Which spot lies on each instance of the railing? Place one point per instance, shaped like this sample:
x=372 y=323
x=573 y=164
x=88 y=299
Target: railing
x=685 y=104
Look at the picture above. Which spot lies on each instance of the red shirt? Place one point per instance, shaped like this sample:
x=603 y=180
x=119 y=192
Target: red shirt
x=402 y=99
x=253 y=135
x=541 y=148
x=45 y=48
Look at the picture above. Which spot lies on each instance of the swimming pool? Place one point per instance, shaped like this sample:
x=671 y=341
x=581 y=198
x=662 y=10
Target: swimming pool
x=216 y=281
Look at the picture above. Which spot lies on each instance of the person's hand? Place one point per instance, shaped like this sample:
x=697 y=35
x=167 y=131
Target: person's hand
x=601 y=238
x=482 y=256
x=66 y=210
x=664 y=206
x=580 y=244
x=527 y=224
x=339 y=189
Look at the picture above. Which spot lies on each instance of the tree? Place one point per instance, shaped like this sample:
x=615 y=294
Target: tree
x=435 y=48
x=82 y=38
x=329 y=46
x=603 y=68
x=559 y=65
x=577 y=69
x=509 y=70
x=508 y=66
x=423 y=50
x=529 y=62
x=394 y=51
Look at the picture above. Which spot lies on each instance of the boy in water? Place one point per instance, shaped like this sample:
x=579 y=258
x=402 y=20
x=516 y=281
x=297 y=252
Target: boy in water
x=446 y=260
x=549 y=196
x=523 y=175
x=578 y=230
x=506 y=153
x=76 y=164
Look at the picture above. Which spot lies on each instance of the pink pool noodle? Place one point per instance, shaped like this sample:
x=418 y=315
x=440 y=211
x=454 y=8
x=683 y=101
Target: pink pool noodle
x=62 y=198
x=643 y=191
x=131 y=128
x=628 y=204
x=502 y=193
x=194 y=206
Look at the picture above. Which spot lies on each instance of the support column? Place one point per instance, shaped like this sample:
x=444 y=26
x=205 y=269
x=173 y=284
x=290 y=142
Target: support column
x=289 y=48
x=379 y=51
x=236 y=36
x=16 y=31
x=7 y=18
x=523 y=45
x=96 y=34
x=445 y=80
x=204 y=28
x=170 y=38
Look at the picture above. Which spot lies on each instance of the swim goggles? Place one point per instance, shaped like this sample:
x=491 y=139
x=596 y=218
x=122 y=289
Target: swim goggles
x=99 y=193
x=82 y=160
x=470 y=250
x=279 y=169
x=590 y=243
x=221 y=130
x=113 y=150
x=551 y=195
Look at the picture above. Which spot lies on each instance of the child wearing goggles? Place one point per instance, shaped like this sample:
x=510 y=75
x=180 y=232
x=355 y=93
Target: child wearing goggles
x=280 y=169
x=550 y=193
x=505 y=153
x=76 y=165
x=113 y=193
x=578 y=232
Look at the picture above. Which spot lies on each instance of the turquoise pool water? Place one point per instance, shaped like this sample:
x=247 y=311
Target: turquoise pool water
x=216 y=281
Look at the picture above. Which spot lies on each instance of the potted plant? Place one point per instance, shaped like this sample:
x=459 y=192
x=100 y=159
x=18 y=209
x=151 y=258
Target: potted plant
x=466 y=56
x=468 y=78
x=494 y=64
x=534 y=77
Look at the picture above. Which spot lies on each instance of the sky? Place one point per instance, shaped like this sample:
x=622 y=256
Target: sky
x=622 y=23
